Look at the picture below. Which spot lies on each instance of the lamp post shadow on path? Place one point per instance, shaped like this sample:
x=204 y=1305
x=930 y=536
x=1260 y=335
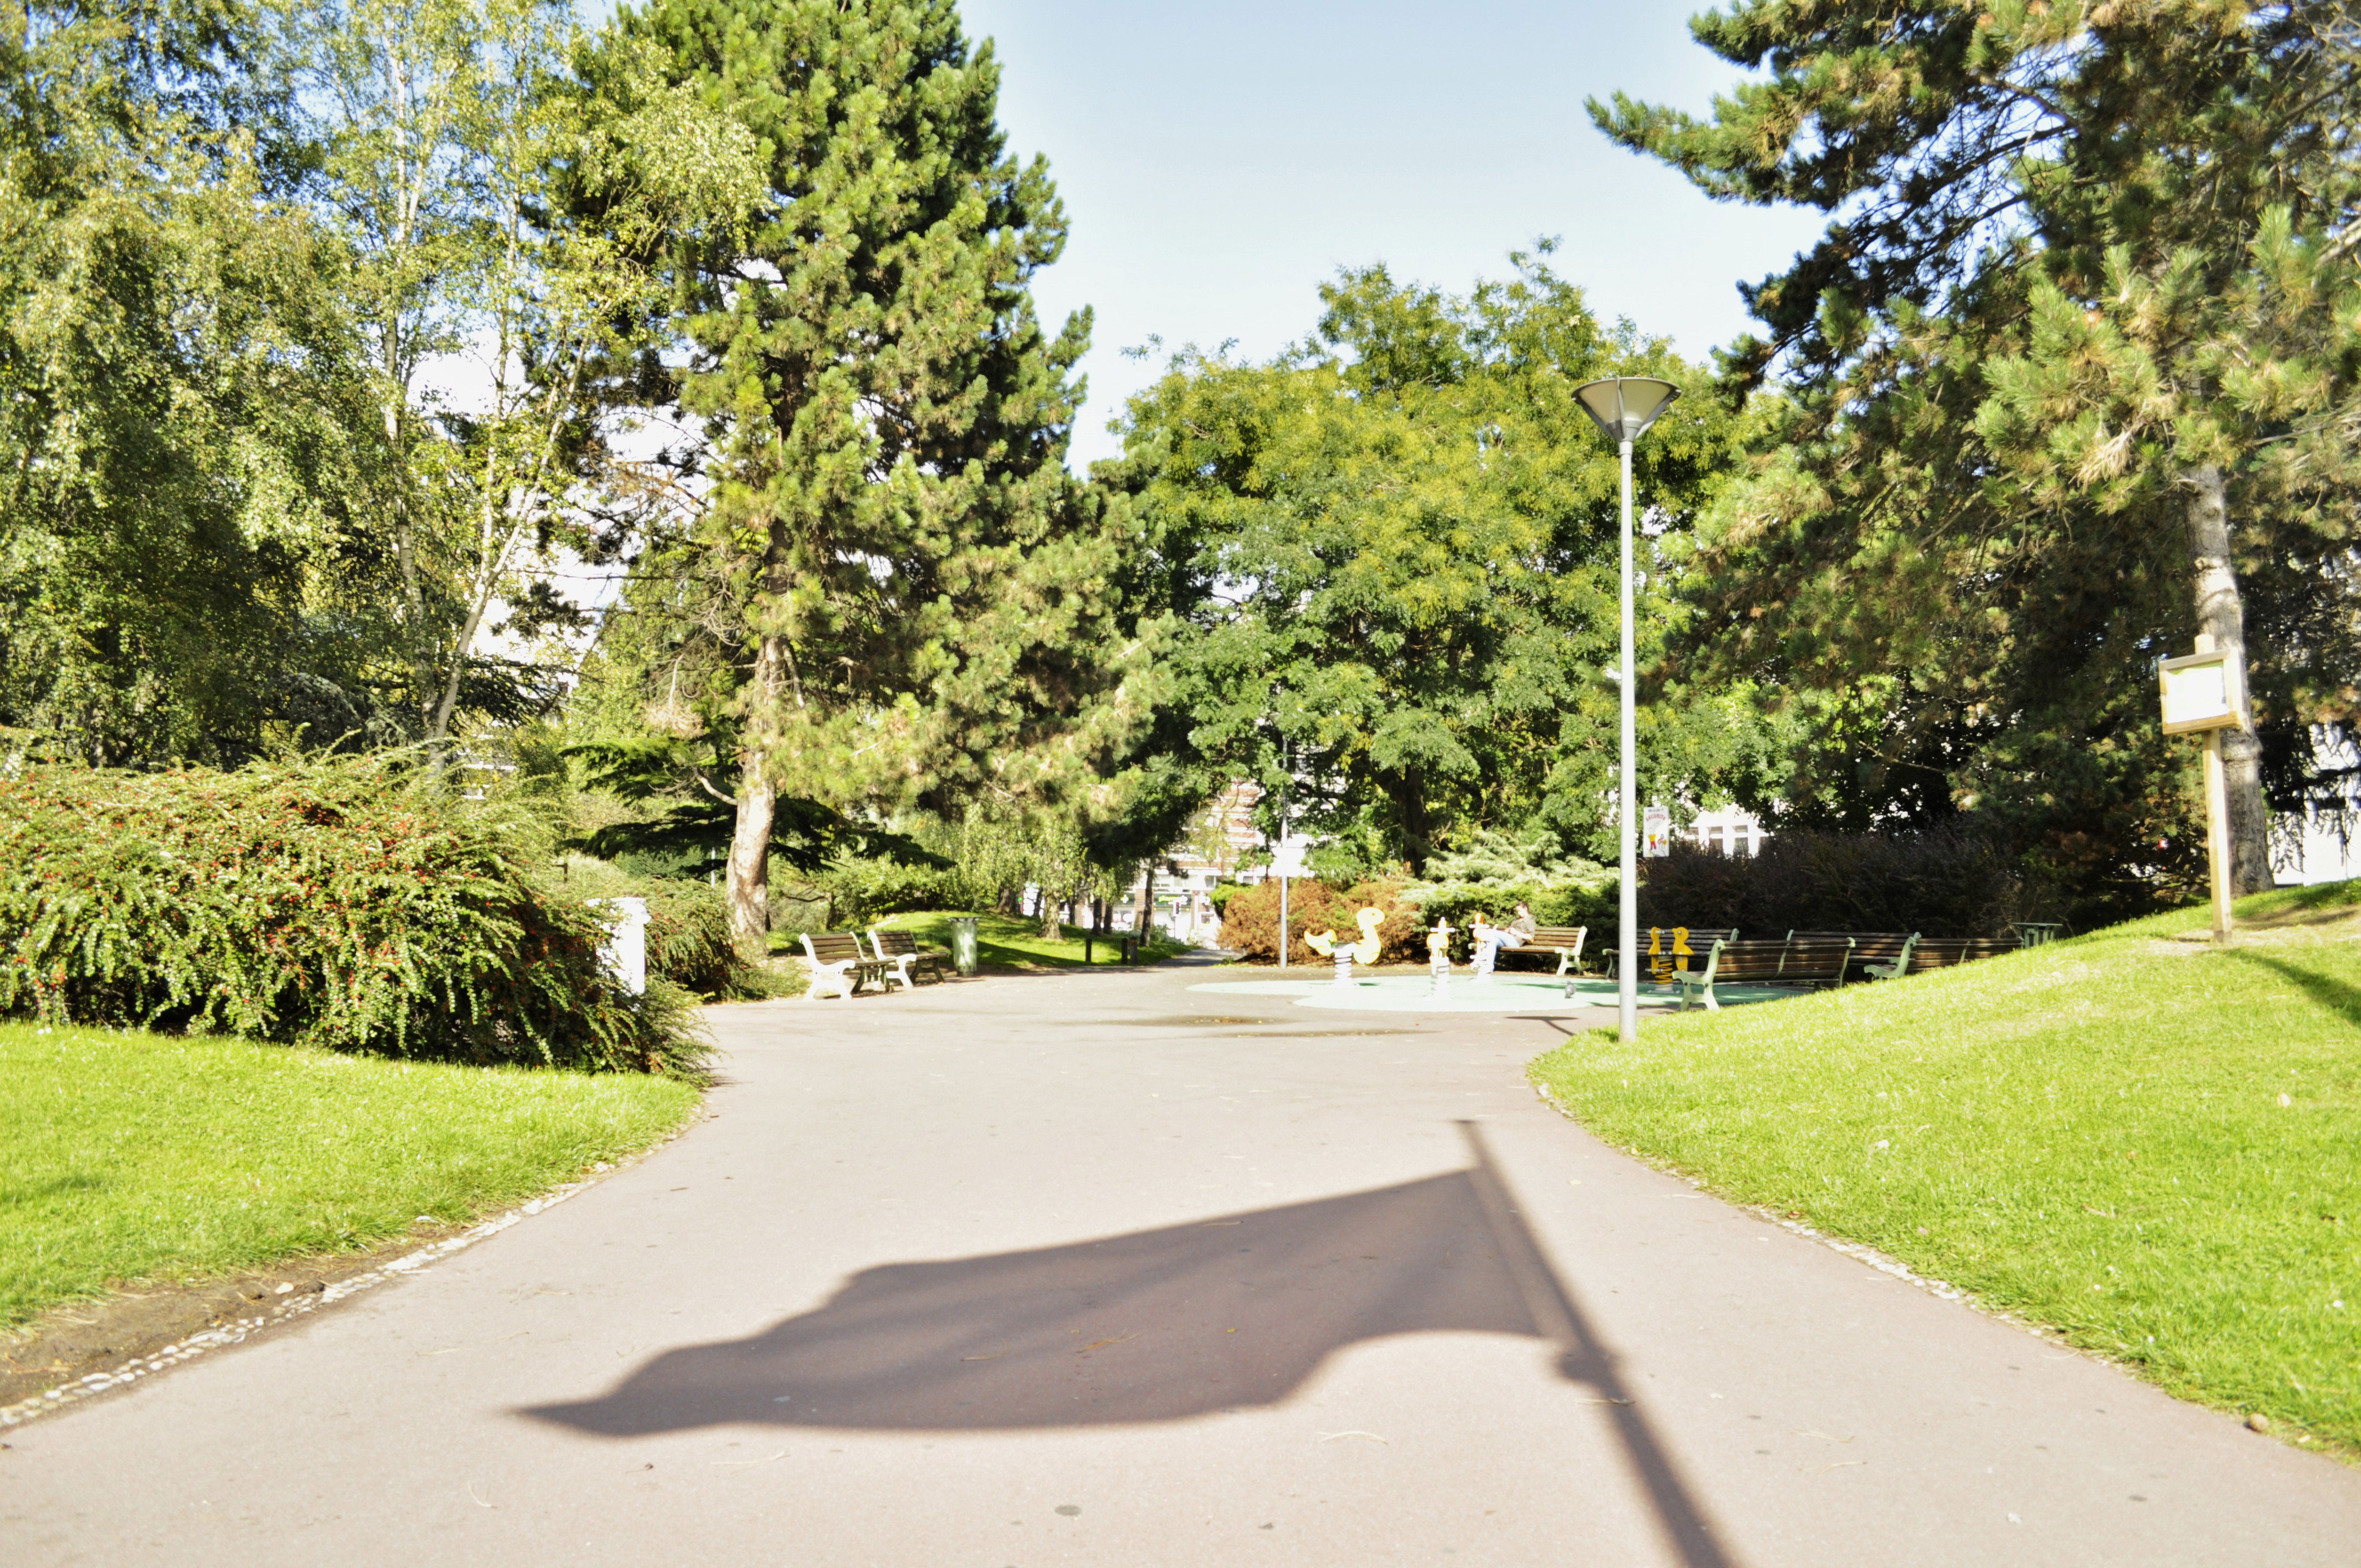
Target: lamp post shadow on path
x=1235 y=1311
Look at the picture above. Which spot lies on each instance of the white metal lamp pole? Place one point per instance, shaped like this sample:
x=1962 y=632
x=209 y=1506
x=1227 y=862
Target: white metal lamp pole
x=1627 y=803
x=1623 y=407
x=1287 y=777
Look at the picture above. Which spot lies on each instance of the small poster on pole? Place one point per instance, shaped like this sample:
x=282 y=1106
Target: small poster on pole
x=1287 y=858
x=1656 y=832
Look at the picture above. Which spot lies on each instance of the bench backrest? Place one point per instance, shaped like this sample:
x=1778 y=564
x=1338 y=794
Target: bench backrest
x=895 y=943
x=1555 y=936
x=834 y=948
x=1743 y=960
x=1942 y=952
x=1821 y=961
x=1865 y=944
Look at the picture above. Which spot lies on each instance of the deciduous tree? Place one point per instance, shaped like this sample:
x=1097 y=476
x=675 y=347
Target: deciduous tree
x=1394 y=551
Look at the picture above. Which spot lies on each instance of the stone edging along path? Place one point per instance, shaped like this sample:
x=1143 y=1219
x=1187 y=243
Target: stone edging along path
x=295 y=1305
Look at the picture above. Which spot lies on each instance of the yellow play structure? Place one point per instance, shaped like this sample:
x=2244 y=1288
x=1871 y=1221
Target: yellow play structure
x=1364 y=951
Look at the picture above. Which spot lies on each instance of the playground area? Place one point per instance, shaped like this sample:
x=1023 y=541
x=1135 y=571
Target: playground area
x=1416 y=992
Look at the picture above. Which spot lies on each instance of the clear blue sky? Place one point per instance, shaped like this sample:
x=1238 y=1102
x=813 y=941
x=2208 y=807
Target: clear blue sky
x=1220 y=159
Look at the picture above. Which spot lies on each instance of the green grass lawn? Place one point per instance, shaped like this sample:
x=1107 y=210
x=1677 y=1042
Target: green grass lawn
x=1008 y=941
x=2147 y=1143
x=127 y=1156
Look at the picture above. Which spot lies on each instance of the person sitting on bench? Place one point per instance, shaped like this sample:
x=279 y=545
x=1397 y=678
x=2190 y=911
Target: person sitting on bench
x=1491 y=938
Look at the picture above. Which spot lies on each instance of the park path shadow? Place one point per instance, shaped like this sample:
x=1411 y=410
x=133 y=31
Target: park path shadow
x=1156 y=1325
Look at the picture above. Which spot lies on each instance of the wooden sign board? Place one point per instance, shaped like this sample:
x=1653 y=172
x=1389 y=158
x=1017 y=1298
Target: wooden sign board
x=2201 y=692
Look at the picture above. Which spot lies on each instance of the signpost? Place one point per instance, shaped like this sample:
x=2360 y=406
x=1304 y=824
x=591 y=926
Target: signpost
x=1286 y=862
x=2205 y=692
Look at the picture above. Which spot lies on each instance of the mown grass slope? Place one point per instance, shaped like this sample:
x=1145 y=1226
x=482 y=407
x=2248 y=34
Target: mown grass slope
x=127 y=1156
x=1011 y=941
x=2151 y=1145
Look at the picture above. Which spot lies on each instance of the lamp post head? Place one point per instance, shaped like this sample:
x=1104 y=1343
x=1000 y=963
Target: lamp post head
x=1623 y=406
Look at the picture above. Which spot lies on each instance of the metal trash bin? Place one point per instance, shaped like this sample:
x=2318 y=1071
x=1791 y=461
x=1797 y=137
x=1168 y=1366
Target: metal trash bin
x=963 y=943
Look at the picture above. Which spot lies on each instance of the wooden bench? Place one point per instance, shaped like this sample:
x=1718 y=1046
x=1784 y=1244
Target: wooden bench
x=1884 y=965
x=1944 y=953
x=1794 y=961
x=839 y=966
x=1876 y=954
x=1566 y=941
x=902 y=957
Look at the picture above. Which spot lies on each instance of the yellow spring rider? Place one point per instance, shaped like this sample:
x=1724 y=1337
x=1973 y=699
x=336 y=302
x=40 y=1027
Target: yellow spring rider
x=1324 y=943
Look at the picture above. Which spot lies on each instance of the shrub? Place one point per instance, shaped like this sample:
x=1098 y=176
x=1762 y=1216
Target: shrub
x=865 y=890
x=689 y=926
x=798 y=905
x=348 y=903
x=850 y=893
x=1251 y=920
x=1940 y=882
x=1494 y=874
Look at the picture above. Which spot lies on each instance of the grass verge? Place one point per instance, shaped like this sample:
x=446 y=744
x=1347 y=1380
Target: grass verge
x=1009 y=941
x=2149 y=1145
x=126 y=1155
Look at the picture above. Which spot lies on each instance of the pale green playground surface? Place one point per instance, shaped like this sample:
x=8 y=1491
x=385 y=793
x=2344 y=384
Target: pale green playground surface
x=1502 y=993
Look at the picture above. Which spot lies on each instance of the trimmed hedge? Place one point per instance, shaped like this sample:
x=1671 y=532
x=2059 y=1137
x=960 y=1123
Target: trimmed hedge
x=1943 y=882
x=348 y=903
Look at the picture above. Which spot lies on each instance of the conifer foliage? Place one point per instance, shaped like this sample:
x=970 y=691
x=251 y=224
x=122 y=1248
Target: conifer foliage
x=2070 y=380
x=893 y=579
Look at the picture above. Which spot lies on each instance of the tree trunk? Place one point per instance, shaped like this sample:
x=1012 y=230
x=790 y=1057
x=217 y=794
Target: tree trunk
x=1049 y=921
x=758 y=796
x=1417 y=823
x=750 y=861
x=1144 y=920
x=2222 y=616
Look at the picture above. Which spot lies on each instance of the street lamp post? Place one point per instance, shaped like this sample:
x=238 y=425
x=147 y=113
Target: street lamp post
x=1287 y=776
x=1623 y=407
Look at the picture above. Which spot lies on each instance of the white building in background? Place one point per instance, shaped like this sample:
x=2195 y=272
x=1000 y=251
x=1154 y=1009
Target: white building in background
x=1223 y=835
x=1727 y=830
x=2312 y=845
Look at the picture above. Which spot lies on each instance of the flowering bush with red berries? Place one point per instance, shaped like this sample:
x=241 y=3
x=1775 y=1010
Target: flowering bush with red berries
x=351 y=903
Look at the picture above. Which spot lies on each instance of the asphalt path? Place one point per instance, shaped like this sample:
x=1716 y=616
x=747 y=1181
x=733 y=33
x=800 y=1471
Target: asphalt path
x=1099 y=1270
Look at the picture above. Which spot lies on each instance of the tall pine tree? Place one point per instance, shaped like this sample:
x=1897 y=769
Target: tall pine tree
x=893 y=591
x=2043 y=393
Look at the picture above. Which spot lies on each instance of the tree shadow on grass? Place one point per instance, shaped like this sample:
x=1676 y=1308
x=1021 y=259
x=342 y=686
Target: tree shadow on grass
x=1153 y=1326
x=2339 y=998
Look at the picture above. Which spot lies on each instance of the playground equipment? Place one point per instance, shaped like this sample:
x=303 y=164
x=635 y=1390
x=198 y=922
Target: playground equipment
x=1366 y=949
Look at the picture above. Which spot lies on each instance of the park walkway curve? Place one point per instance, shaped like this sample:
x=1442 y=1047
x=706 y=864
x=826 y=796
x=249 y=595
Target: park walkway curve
x=1096 y=1268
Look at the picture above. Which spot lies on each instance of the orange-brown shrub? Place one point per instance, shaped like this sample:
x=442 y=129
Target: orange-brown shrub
x=1250 y=921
